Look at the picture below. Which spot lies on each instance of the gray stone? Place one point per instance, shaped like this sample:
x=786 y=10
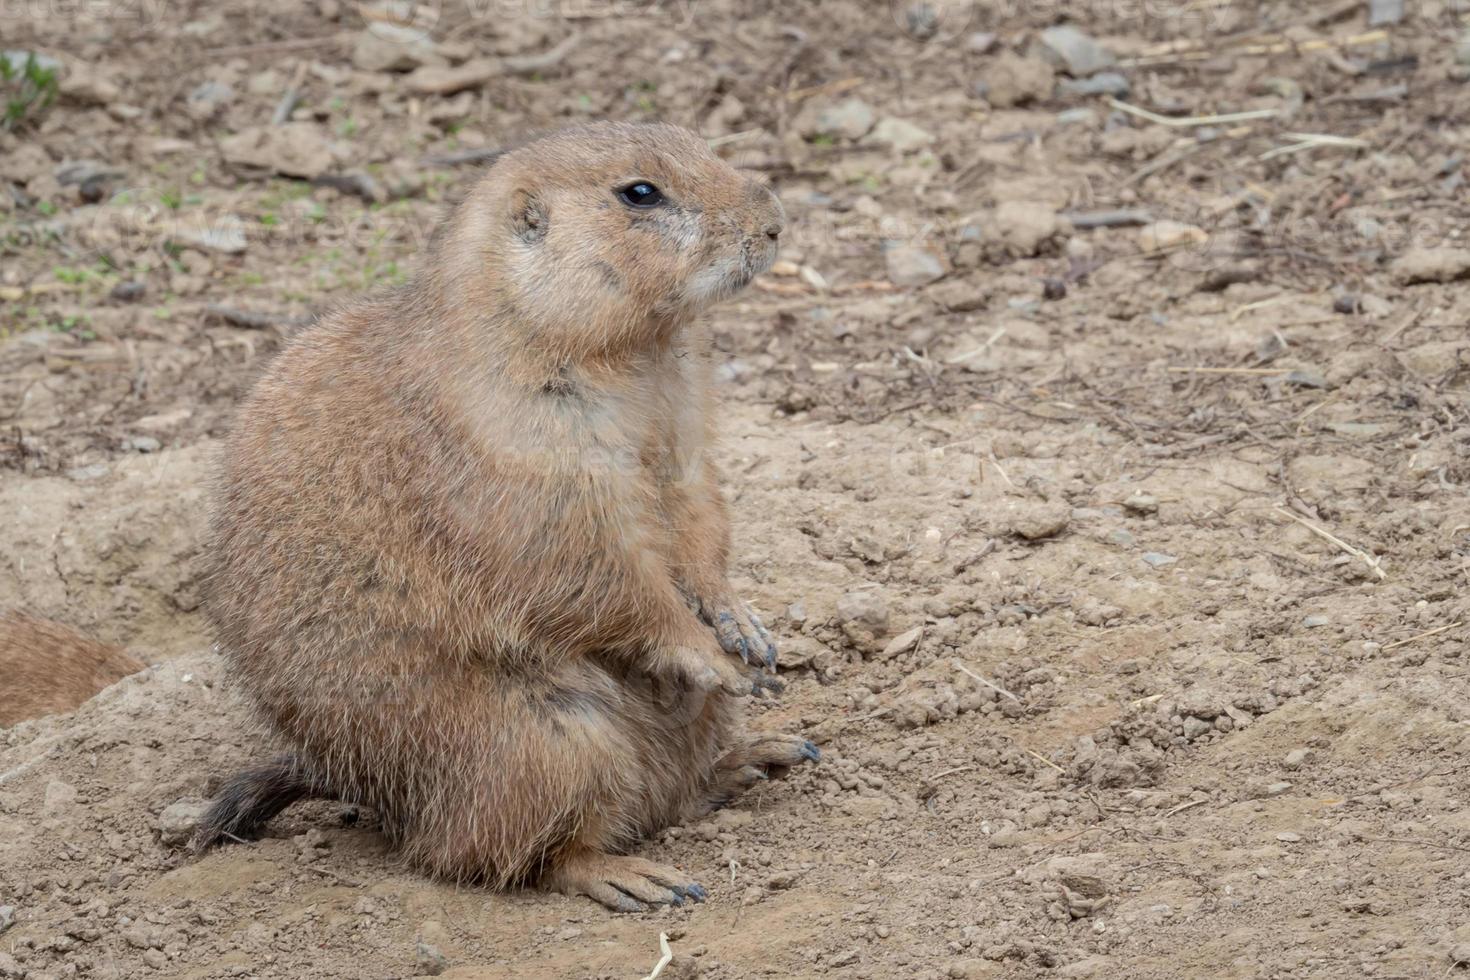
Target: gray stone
x=1103 y=83
x=902 y=643
x=178 y=821
x=1012 y=80
x=1142 y=503
x=850 y=119
x=868 y=609
x=1381 y=12
x=78 y=172
x=1296 y=758
x=128 y=290
x=1043 y=521
x=395 y=47
x=914 y=265
x=431 y=962
x=1025 y=228
x=980 y=42
x=86 y=83
x=1307 y=378
x=85 y=474
x=1312 y=622
x=7 y=917
x=1195 y=727
x=207 y=99
x=1202 y=702
x=59 y=796
x=1158 y=560
x=297 y=149
x=1076 y=53
x=900 y=134
x=142 y=444
x=1432 y=265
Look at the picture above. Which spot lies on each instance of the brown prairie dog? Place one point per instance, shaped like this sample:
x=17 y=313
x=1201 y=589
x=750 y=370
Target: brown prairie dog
x=469 y=553
x=47 y=668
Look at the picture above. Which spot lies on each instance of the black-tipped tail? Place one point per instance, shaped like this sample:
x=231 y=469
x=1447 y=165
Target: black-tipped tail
x=249 y=799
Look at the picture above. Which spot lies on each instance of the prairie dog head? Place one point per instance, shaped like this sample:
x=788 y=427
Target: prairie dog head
x=613 y=229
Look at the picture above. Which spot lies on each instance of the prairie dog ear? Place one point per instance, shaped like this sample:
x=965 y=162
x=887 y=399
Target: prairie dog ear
x=528 y=216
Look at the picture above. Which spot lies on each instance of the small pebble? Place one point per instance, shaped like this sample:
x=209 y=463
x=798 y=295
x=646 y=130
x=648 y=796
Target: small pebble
x=1077 y=53
x=1381 y=12
x=1307 y=379
x=782 y=880
x=1289 y=838
x=431 y=962
x=868 y=608
x=1312 y=622
x=178 y=821
x=980 y=42
x=1195 y=727
x=127 y=292
x=1158 y=560
x=914 y=265
x=1295 y=759
x=1103 y=83
x=142 y=444
x=1142 y=503
x=1033 y=524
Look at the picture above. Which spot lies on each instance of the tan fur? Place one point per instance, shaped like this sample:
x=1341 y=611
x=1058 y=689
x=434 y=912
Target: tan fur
x=47 y=668
x=468 y=548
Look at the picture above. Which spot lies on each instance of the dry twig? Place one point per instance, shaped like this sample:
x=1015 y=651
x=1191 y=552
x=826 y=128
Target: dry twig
x=994 y=687
x=1372 y=562
x=1427 y=633
x=1187 y=121
x=665 y=959
x=1184 y=369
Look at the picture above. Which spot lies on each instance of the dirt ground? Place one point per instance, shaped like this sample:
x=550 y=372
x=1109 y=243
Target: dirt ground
x=1119 y=559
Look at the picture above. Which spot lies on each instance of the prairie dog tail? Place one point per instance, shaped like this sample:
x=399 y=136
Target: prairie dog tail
x=251 y=797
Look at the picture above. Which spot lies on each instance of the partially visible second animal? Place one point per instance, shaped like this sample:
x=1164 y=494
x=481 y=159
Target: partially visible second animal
x=47 y=668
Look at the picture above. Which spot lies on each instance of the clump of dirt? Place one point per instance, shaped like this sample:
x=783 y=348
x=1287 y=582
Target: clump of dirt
x=1098 y=450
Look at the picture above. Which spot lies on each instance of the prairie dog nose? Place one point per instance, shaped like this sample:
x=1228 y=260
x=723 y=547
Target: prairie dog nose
x=773 y=221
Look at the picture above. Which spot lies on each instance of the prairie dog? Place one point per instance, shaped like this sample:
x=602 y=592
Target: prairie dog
x=469 y=553
x=47 y=668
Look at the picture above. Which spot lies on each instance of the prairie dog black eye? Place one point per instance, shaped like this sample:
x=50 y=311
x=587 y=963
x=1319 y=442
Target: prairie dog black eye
x=641 y=194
